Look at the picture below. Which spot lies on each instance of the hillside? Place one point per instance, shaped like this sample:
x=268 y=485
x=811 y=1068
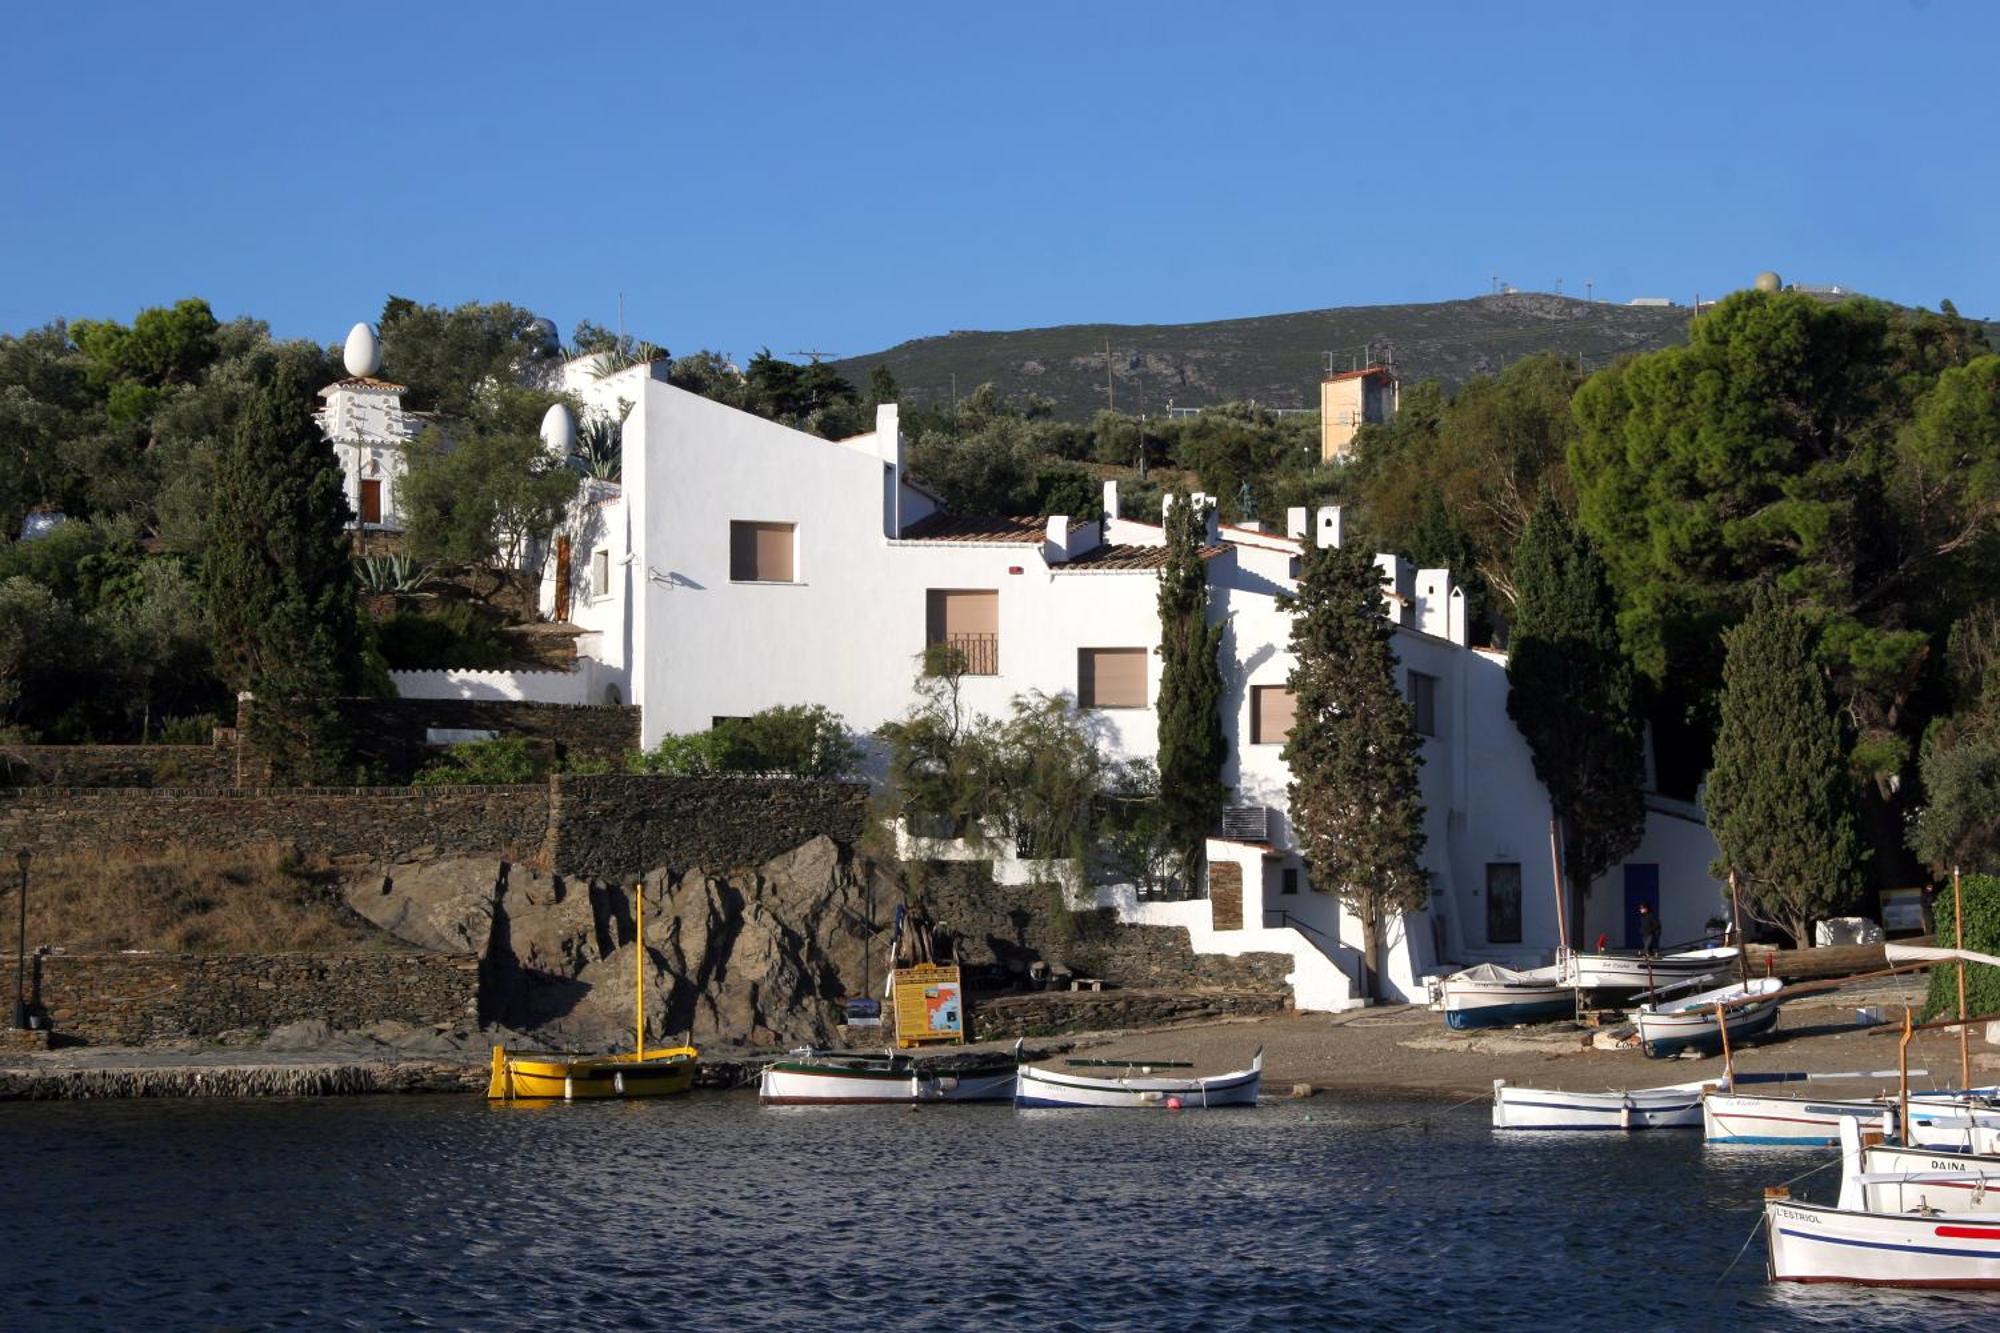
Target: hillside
x=1276 y=360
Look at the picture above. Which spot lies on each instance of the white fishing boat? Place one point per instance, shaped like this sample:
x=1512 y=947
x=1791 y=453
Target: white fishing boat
x=1902 y=1180
x=1749 y=1009
x=1735 y=1117
x=1630 y=971
x=1138 y=1086
x=809 y=1077
x=1853 y=1243
x=1951 y=1123
x=1675 y=1106
x=1490 y=995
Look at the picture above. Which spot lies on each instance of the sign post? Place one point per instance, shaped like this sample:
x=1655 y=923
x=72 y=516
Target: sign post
x=930 y=1006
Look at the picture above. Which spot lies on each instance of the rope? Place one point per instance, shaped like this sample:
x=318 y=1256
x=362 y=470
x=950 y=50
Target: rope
x=1754 y=1228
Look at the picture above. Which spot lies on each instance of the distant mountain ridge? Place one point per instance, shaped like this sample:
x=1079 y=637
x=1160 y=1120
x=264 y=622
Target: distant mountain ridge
x=1275 y=360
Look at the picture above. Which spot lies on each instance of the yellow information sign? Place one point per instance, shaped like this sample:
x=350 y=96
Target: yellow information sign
x=930 y=1005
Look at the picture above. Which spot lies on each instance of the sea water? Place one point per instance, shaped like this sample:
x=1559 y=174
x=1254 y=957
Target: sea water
x=711 y=1212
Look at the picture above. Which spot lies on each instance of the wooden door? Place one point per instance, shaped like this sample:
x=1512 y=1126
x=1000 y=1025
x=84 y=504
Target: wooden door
x=562 y=577
x=371 y=501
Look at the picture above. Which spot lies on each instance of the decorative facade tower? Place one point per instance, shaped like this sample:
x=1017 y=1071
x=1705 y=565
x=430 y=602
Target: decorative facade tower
x=365 y=420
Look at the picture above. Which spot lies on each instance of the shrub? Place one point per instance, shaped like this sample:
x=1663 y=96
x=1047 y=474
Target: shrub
x=801 y=740
x=453 y=636
x=1982 y=935
x=480 y=763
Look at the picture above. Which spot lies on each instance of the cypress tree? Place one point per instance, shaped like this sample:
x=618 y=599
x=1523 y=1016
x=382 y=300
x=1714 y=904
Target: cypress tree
x=1570 y=691
x=1354 y=752
x=277 y=575
x=1192 y=748
x=1779 y=799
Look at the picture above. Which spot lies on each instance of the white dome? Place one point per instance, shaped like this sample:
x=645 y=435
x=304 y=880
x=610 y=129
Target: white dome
x=559 y=430
x=363 y=352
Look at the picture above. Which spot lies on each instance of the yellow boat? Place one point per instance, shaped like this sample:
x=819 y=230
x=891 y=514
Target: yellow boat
x=637 y=1073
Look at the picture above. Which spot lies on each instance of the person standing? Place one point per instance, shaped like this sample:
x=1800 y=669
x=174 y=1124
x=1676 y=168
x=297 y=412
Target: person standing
x=1649 y=930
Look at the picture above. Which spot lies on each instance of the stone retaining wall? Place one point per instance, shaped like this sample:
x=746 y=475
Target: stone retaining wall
x=616 y=826
x=999 y=1017
x=378 y=823
x=119 y=765
x=388 y=734
x=134 y=999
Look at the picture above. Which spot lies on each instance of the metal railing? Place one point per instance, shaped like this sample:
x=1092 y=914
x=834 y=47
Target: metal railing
x=1328 y=945
x=1247 y=823
x=977 y=654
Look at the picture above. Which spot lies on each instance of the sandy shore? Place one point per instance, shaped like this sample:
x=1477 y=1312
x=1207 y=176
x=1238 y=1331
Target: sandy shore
x=1395 y=1051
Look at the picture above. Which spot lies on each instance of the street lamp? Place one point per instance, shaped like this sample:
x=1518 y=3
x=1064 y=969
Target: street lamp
x=21 y=950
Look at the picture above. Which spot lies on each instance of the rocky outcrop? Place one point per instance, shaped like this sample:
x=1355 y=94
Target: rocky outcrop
x=762 y=957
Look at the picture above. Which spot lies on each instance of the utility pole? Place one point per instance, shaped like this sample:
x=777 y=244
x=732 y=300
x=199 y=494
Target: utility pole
x=1589 y=288
x=1110 y=389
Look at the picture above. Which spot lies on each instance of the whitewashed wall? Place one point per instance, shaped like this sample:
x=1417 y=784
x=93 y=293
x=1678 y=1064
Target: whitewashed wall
x=541 y=687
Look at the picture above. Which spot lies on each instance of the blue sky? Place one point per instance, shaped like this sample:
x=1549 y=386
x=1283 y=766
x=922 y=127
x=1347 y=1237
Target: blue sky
x=843 y=177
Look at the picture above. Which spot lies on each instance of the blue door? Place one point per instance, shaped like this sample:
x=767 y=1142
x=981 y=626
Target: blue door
x=1642 y=885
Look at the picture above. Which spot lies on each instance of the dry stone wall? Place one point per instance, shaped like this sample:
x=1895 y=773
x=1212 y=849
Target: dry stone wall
x=617 y=826
x=137 y=999
x=118 y=765
x=388 y=734
x=381 y=823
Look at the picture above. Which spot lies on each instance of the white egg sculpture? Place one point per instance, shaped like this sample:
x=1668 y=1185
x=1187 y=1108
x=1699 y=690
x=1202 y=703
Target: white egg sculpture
x=363 y=353
x=559 y=431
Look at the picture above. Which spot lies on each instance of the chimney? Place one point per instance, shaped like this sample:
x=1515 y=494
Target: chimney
x=1211 y=516
x=1111 y=498
x=1329 y=526
x=1055 y=539
x=1457 y=630
x=1296 y=523
x=1434 y=602
x=1398 y=586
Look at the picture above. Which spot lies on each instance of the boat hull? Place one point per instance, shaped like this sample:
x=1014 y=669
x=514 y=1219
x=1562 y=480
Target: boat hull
x=1500 y=1004
x=794 y=1084
x=1605 y=973
x=1978 y=1192
x=1048 y=1088
x=574 y=1078
x=1812 y=1243
x=1675 y=1107
x=1787 y=1121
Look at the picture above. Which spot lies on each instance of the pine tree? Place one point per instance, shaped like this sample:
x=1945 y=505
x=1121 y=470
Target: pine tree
x=1570 y=692
x=1192 y=748
x=1779 y=799
x=1356 y=798
x=278 y=580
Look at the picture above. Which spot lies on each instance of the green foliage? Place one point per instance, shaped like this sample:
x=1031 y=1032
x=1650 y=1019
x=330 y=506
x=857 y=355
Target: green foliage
x=1772 y=449
x=391 y=573
x=1569 y=690
x=278 y=582
x=446 y=359
x=1354 y=753
x=1982 y=935
x=799 y=740
x=479 y=496
x=452 y=635
x=1779 y=801
x=1192 y=746
x=1132 y=832
x=502 y=762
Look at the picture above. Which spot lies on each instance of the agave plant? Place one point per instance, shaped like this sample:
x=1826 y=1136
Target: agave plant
x=391 y=573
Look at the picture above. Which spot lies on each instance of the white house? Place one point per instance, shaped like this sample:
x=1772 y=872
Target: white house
x=364 y=419
x=741 y=564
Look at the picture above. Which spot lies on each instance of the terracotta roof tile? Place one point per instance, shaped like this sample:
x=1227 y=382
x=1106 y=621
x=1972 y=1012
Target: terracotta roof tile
x=362 y=382
x=1126 y=557
x=975 y=528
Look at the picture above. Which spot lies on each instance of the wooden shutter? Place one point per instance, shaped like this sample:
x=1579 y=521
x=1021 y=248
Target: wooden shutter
x=760 y=552
x=1111 y=677
x=1271 y=712
x=953 y=612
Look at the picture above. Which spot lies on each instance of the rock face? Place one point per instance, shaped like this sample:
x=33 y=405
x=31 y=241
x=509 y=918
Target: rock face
x=758 y=958
x=762 y=957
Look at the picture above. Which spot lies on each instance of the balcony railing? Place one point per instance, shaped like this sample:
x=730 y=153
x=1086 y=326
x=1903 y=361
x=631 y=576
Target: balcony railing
x=972 y=654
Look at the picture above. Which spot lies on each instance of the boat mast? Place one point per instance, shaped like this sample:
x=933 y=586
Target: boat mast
x=639 y=966
x=1958 y=920
x=1562 y=923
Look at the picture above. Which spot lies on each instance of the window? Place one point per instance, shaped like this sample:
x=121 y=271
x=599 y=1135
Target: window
x=968 y=621
x=1423 y=702
x=761 y=552
x=600 y=573
x=1111 y=677
x=1288 y=881
x=1503 y=902
x=1270 y=714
